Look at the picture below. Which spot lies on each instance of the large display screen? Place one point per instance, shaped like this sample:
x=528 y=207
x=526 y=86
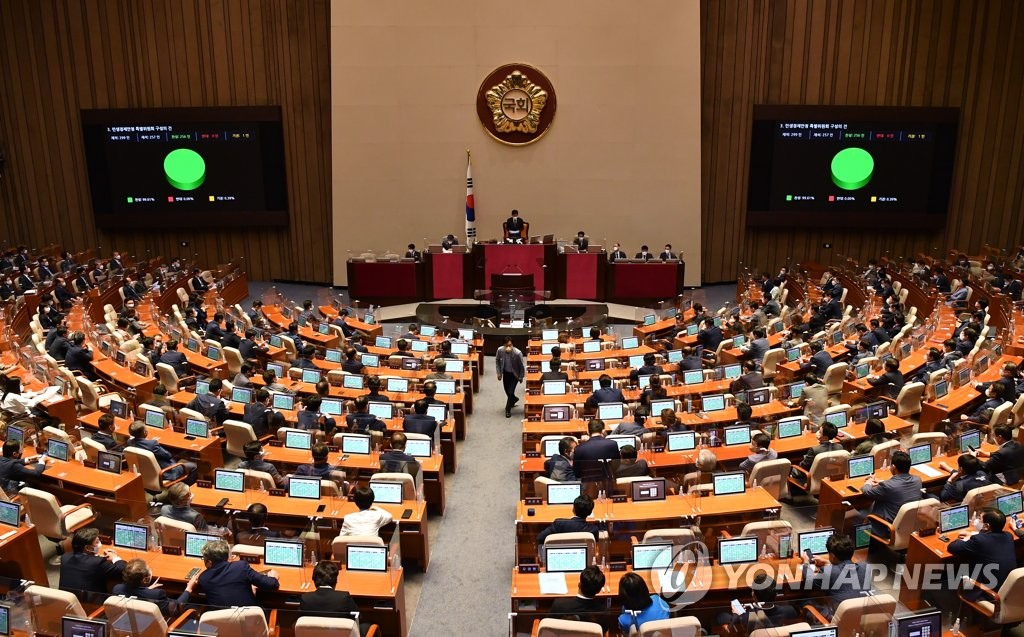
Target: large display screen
x=853 y=167
x=170 y=167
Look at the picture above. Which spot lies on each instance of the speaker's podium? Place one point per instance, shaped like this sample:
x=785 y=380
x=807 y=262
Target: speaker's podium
x=512 y=283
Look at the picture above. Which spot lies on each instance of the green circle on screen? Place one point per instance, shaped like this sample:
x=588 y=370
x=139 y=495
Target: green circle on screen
x=852 y=168
x=185 y=169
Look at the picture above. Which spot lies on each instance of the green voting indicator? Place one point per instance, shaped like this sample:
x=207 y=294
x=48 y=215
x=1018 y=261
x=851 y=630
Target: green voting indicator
x=185 y=169
x=852 y=168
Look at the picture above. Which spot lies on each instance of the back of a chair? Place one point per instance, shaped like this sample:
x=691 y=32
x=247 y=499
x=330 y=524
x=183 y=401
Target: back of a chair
x=172 y=532
x=834 y=377
x=913 y=516
x=582 y=538
x=908 y=402
x=56 y=434
x=540 y=486
x=868 y=615
x=772 y=358
x=550 y=627
x=882 y=452
x=1000 y=415
x=49 y=606
x=89 y=395
x=243 y=621
x=326 y=627
x=148 y=467
x=772 y=476
x=289 y=347
x=674 y=536
x=406 y=480
x=247 y=550
x=44 y=510
x=1011 y=594
x=830 y=463
x=237 y=433
x=936 y=439
x=134 y=617
x=675 y=627
x=233 y=357
x=976 y=499
x=768 y=533
x=339 y=544
x=91 y=448
x=780 y=631
x=168 y=377
x=253 y=479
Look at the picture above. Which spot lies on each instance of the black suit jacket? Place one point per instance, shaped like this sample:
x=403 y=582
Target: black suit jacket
x=327 y=602
x=83 y=572
x=581 y=607
x=230 y=584
x=588 y=459
x=156 y=595
x=1007 y=460
x=420 y=424
x=568 y=525
x=78 y=360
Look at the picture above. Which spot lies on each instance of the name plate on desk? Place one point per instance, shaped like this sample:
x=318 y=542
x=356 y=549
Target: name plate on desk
x=529 y=568
x=170 y=550
x=204 y=484
x=534 y=501
x=616 y=567
x=275 y=443
x=277 y=492
x=618 y=499
x=252 y=559
x=532 y=454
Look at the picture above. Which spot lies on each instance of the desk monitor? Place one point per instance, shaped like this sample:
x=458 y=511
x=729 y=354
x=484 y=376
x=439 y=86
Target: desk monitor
x=713 y=402
x=954 y=518
x=591 y=347
x=860 y=466
x=283 y=401
x=551 y=447
x=305 y=488
x=5 y=619
x=383 y=411
x=691 y=330
x=636 y=361
x=57 y=449
x=277 y=368
x=963 y=376
x=352 y=381
x=650 y=319
x=154 y=418
x=837 y=337
x=311 y=376
x=739 y=340
x=15 y=433
x=814 y=540
x=282 y=553
x=369 y=319
x=718 y=321
x=940 y=388
x=131 y=536
x=624 y=440
x=648 y=490
x=674 y=355
x=196 y=427
x=739 y=550
x=793 y=390
x=862 y=536
x=729 y=483
x=926 y=624
x=192 y=345
x=241 y=395
x=355 y=443
x=398 y=385
x=759 y=396
x=545 y=348
x=643 y=382
x=555 y=413
x=213 y=353
x=386 y=492
x=660 y=405
x=445 y=387
x=419 y=346
x=560 y=558
x=224 y=480
x=466 y=333
x=419 y=448
x=785 y=545
x=969 y=440
x=332 y=355
x=437 y=411
x=323 y=328
x=824 y=631
x=681 y=441
x=732 y=371
x=383 y=342
x=366 y=558
x=297 y=439
x=837 y=418
x=454 y=365
x=630 y=342
x=611 y=411
x=693 y=377
x=736 y=435
x=428 y=331
x=412 y=364
x=1010 y=504
x=109 y=461
x=195 y=542
x=862 y=370
x=118 y=409
x=77 y=627
x=878 y=410
x=202 y=387
x=793 y=354
x=920 y=454
x=564 y=492
x=370 y=360
x=790 y=428
x=10 y=513
x=652 y=556
x=982 y=363
x=553 y=387
x=460 y=349
x=332 y=407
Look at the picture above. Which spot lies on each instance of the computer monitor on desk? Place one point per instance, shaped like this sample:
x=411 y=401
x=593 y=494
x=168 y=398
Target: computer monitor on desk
x=131 y=536
x=652 y=556
x=225 y=480
x=366 y=558
x=10 y=513
x=731 y=483
x=304 y=488
x=681 y=441
x=954 y=518
x=652 y=490
x=560 y=558
x=554 y=387
x=740 y=550
x=815 y=541
x=790 y=428
x=564 y=492
x=282 y=553
x=555 y=413
x=611 y=411
x=195 y=542
x=926 y=624
x=386 y=492
x=358 y=444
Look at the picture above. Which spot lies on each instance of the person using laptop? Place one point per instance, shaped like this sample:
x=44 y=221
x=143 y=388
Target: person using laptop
x=254 y=461
x=628 y=466
x=138 y=432
x=584 y=606
x=839 y=575
x=258 y=530
x=889 y=495
x=211 y=404
x=368 y=520
x=1005 y=463
x=361 y=421
x=765 y=613
x=325 y=601
x=992 y=547
x=420 y=422
x=559 y=466
x=232 y=583
x=257 y=413
x=874 y=429
x=605 y=393
x=104 y=435
x=139 y=583
x=86 y=570
x=639 y=605
x=968 y=475
x=439 y=370
x=592 y=457
x=582 y=507
x=760 y=451
x=826 y=443
x=320 y=468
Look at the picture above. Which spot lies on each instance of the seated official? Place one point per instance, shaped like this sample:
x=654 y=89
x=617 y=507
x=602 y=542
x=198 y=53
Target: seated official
x=585 y=607
x=667 y=253
x=175 y=359
x=254 y=461
x=179 y=507
x=138 y=432
x=981 y=414
x=213 y=329
x=351 y=364
x=320 y=468
x=310 y=418
x=581 y=241
x=874 y=429
x=429 y=391
x=1004 y=465
x=374 y=384
x=86 y=570
x=293 y=333
x=671 y=422
x=757 y=348
x=79 y=357
x=361 y=421
x=690 y=360
x=554 y=371
x=257 y=414
x=271 y=384
x=515 y=228
x=751 y=378
x=647 y=369
x=14 y=469
x=559 y=466
x=211 y=404
x=605 y=393
x=644 y=254
x=617 y=254
x=766 y=613
x=305 y=358
x=249 y=348
x=395 y=460
x=104 y=435
x=826 y=443
x=891 y=380
x=991 y=552
x=840 y=576
x=258 y=530
x=582 y=507
x=889 y=495
x=819 y=361
x=635 y=427
x=420 y=422
x=369 y=520
x=57 y=344
x=760 y=451
x=139 y=583
x=229 y=584
x=412 y=253
x=439 y=370
x=968 y=476
x=639 y=605
x=325 y=601
x=592 y=459
x=628 y=466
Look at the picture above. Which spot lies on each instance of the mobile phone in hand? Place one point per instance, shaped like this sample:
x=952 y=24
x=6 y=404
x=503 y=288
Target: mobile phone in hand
x=810 y=556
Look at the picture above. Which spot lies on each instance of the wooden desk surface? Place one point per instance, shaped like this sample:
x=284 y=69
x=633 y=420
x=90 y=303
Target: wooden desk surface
x=605 y=353
x=935 y=411
x=124 y=490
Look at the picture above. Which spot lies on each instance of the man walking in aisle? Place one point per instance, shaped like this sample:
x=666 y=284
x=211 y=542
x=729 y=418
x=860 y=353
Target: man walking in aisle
x=511 y=371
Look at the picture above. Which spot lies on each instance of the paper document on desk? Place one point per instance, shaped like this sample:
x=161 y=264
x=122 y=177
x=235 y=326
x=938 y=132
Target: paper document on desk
x=552 y=584
x=929 y=471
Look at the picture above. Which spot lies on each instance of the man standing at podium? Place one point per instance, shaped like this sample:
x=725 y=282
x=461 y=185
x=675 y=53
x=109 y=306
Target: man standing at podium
x=514 y=227
x=511 y=371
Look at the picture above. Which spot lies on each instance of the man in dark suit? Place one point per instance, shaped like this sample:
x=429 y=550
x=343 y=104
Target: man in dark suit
x=508 y=361
x=175 y=359
x=891 y=380
x=211 y=404
x=231 y=338
x=254 y=461
x=581 y=241
x=228 y=584
x=85 y=571
x=199 y=284
x=757 y=347
x=104 y=434
x=819 y=361
x=14 y=469
x=419 y=422
x=751 y=378
x=129 y=291
x=515 y=227
x=79 y=356
x=411 y=252
x=258 y=530
x=214 y=331
x=647 y=369
x=667 y=253
x=138 y=432
x=690 y=360
x=617 y=254
x=248 y=347
x=257 y=414
x=592 y=459
x=554 y=371
x=969 y=475
x=559 y=466
x=889 y=495
x=710 y=336
x=826 y=436
x=115 y=264
x=582 y=507
x=325 y=601
x=993 y=546
x=606 y=393
x=57 y=344
x=351 y=364
x=361 y=420
x=644 y=254
x=1004 y=465
x=840 y=576
x=585 y=606
x=138 y=583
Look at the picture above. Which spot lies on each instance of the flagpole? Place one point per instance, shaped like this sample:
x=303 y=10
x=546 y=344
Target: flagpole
x=470 y=204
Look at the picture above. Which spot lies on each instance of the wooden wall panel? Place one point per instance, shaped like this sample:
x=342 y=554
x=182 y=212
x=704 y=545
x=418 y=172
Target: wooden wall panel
x=60 y=56
x=862 y=52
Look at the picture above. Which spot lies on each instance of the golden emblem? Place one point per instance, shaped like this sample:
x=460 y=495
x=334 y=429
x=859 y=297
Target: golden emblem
x=516 y=104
